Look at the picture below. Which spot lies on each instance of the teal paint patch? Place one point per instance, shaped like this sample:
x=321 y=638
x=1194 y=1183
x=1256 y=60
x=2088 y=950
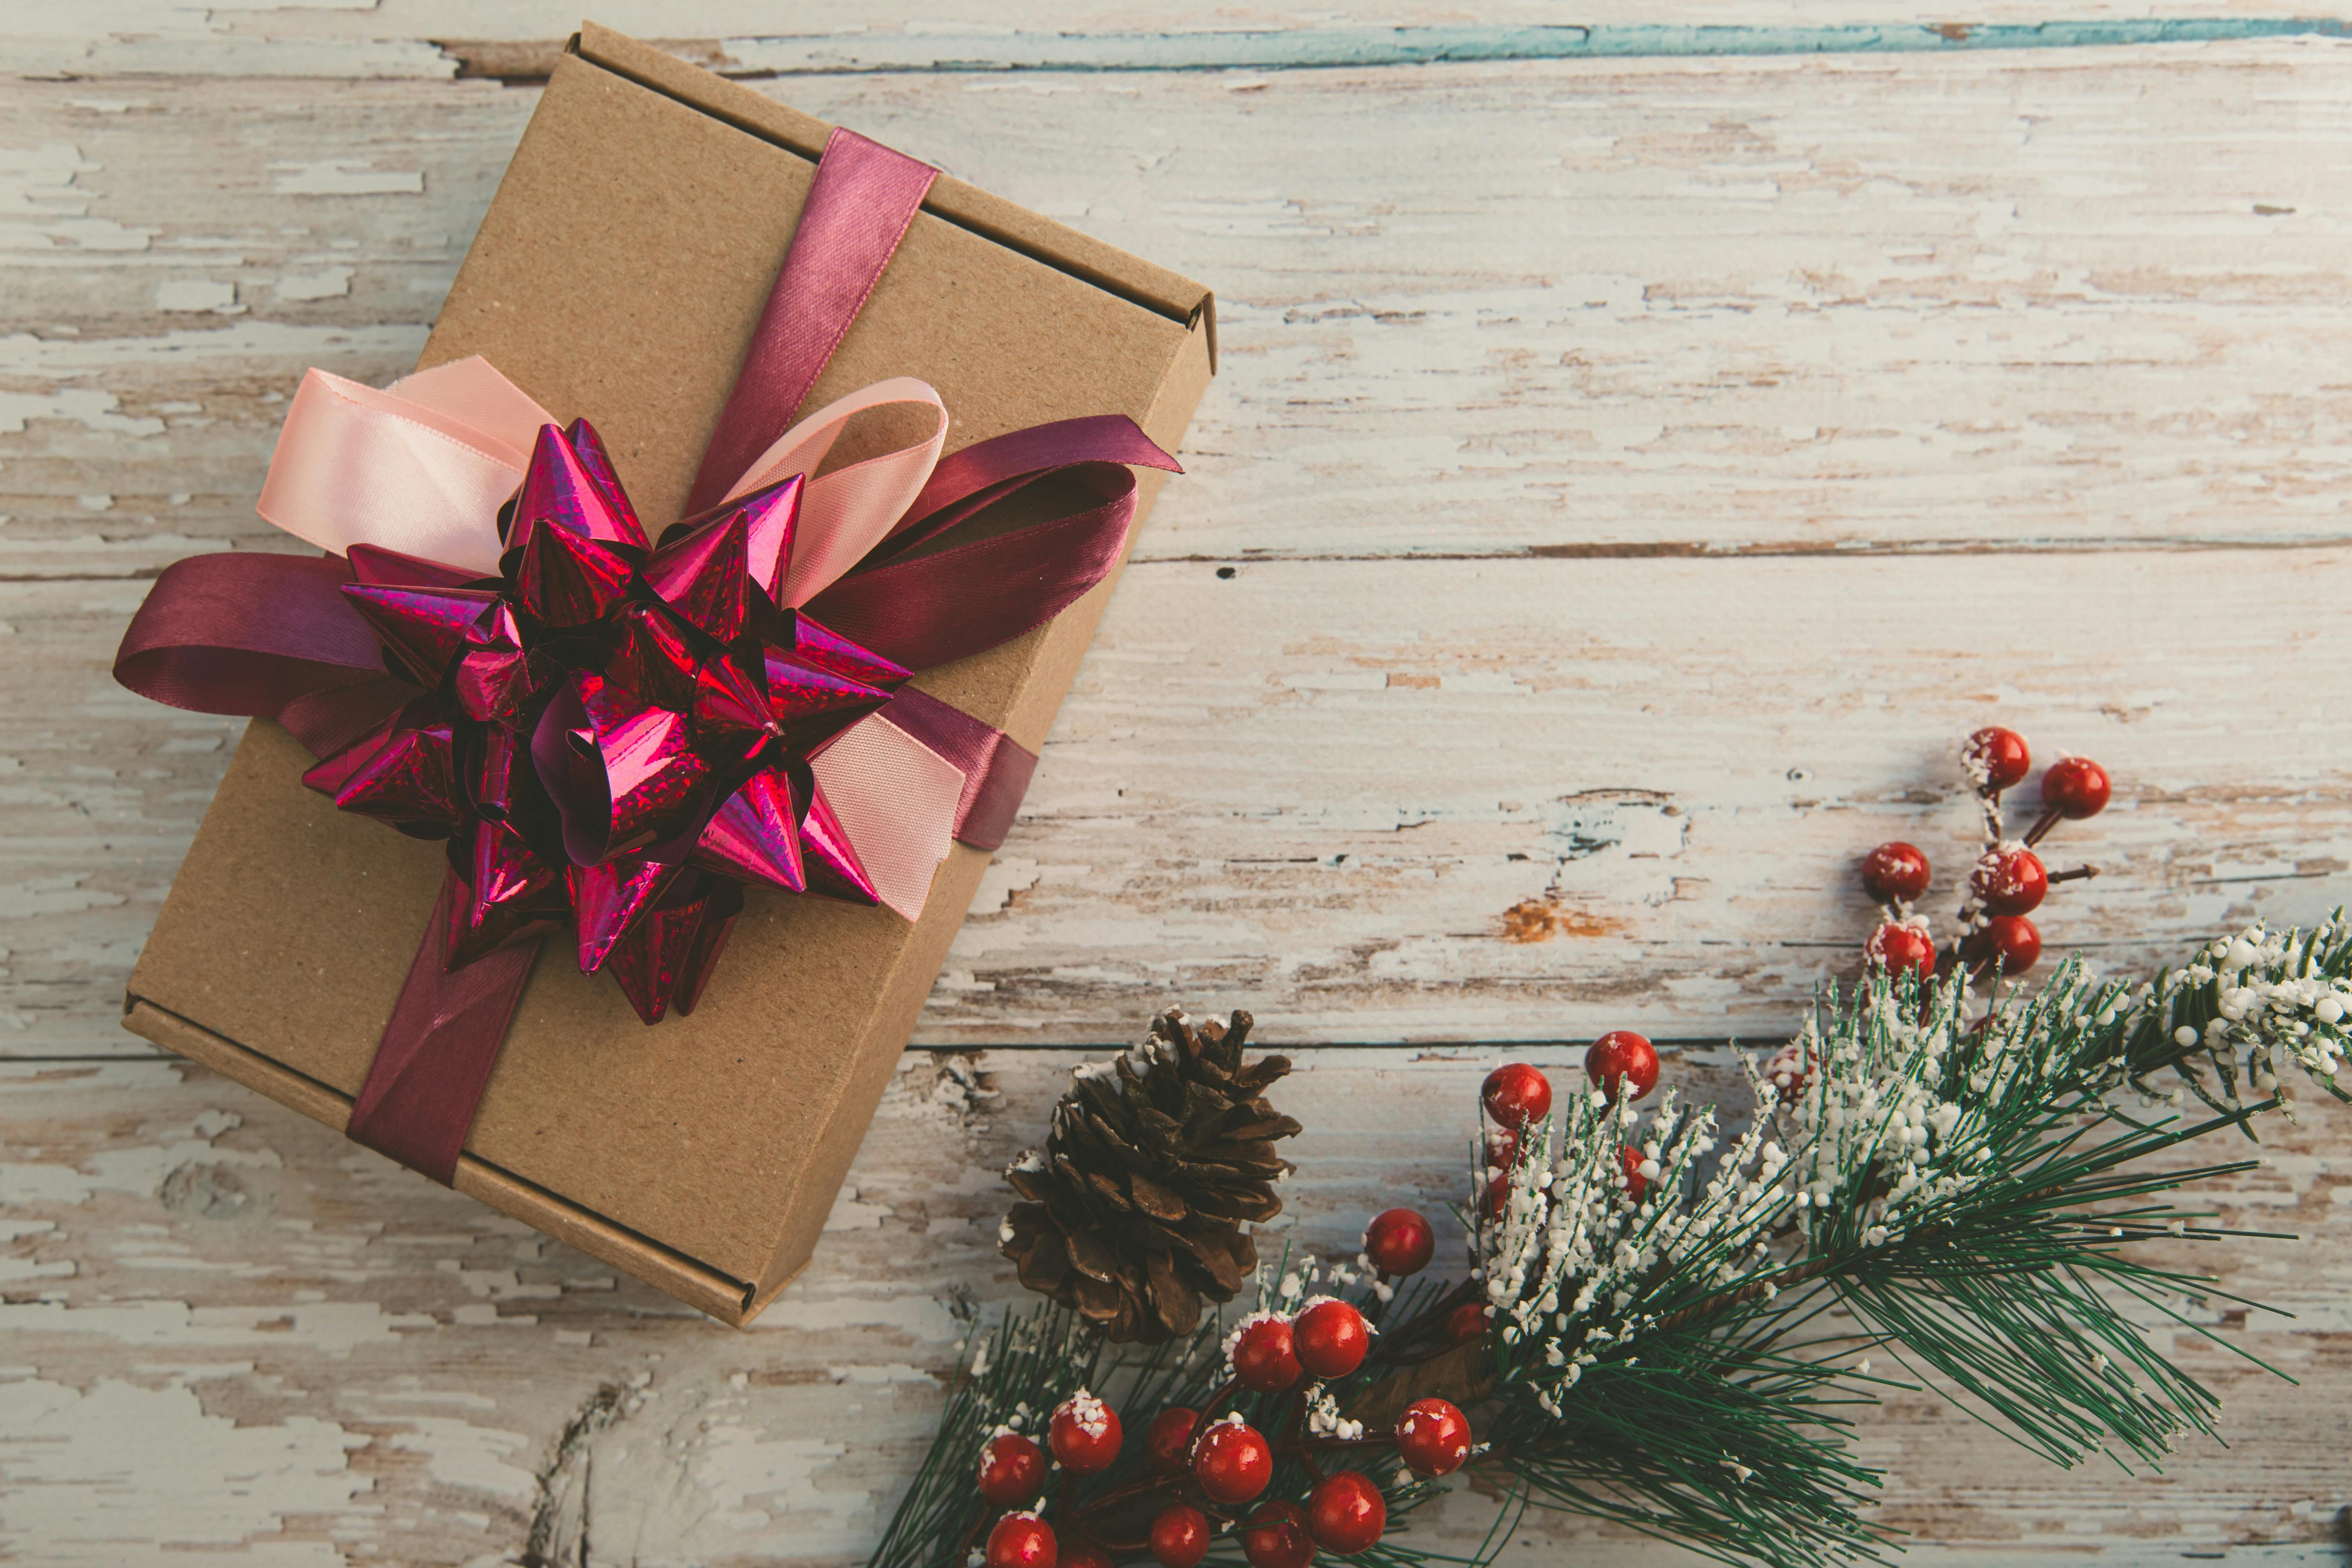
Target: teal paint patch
x=1337 y=47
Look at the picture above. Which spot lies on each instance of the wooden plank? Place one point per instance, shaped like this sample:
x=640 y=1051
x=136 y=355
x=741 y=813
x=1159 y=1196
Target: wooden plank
x=229 y=1329
x=2038 y=301
x=1462 y=800
x=435 y=38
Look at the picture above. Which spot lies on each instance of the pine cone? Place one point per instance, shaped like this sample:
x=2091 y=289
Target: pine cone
x=1155 y=1160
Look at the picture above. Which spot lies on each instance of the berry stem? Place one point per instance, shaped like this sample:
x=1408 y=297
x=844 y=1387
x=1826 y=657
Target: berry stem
x=970 y=1534
x=1391 y=1348
x=1379 y=1304
x=2041 y=829
x=2079 y=874
x=1117 y=1548
x=1143 y=1486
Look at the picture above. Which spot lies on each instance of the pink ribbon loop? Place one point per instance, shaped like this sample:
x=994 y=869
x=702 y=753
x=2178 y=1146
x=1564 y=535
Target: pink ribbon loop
x=996 y=767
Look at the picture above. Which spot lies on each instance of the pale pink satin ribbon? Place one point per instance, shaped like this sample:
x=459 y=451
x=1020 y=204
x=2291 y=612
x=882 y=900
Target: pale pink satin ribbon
x=424 y=466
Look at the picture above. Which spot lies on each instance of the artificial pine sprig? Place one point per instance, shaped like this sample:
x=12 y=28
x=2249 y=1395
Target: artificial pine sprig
x=1672 y=1323
x=2246 y=1008
x=1016 y=1375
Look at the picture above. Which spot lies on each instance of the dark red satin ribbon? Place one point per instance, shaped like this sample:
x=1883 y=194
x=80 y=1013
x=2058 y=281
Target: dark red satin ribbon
x=860 y=201
x=924 y=607
x=434 y=1061
x=268 y=637
x=274 y=637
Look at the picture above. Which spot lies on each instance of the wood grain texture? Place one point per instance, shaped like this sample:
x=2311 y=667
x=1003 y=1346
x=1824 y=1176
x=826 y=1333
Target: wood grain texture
x=229 y=1329
x=442 y=39
x=1627 y=479
x=2036 y=300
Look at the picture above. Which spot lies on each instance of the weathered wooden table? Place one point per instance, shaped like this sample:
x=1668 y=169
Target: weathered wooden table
x=1643 y=451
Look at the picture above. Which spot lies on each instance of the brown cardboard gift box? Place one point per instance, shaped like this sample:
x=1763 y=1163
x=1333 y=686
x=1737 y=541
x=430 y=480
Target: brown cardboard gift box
x=618 y=275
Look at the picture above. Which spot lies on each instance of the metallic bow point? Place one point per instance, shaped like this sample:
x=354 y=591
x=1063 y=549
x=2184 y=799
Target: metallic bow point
x=611 y=735
x=570 y=485
x=755 y=833
x=704 y=577
x=563 y=579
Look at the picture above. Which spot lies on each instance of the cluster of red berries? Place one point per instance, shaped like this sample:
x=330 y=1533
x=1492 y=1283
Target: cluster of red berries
x=2008 y=880
x=1228 y=1464
x=1621 y=1064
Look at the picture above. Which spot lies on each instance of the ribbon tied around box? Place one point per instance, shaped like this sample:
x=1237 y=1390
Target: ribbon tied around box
x=615 y=733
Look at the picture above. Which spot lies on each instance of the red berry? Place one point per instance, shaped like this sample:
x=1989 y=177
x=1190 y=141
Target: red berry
x=1012 y=1470
x=1399 y=1242
x=1466 y=1322
x=1996 y=758
x=1022 y=1541
x=1083 y=1554
x=1433 y=1437
x=1264 y=1356
x=1636 y=1184
x=1622 y=1059
x=1895 y=870
x=1788 y=1071
x=1332 y=1339
x=1276 y=1537
x=1084 y=1434
x=2075 y=787
x=1516 y=1094
x=1898 y=948
x=2010 y=881
x=1170 y=1433
x=1180 y=1537
x=1497 y=1197
x=2009 y=941
x=1232 y=1462
x=1502 y=1147
x=1346 y=1513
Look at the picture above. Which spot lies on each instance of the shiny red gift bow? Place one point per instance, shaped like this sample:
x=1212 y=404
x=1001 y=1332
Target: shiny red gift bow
x=272 y=635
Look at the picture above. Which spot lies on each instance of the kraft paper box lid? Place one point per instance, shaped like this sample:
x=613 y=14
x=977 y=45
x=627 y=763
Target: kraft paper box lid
x=618 y=275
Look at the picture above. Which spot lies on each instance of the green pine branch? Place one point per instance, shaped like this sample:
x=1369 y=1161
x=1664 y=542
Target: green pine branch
x=1954 y=1199
x=1015 y=1373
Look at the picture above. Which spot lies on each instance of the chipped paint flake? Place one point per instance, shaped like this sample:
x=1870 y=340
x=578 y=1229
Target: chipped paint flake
x=344 y=177
x=114 y=1474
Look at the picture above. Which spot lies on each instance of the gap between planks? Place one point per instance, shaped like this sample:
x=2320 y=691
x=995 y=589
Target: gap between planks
x=1624 y=550
x=1341 y=48
x=866 y=50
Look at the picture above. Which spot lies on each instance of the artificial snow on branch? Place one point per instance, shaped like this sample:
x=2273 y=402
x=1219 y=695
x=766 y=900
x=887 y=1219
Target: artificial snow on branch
x=1670 y=1321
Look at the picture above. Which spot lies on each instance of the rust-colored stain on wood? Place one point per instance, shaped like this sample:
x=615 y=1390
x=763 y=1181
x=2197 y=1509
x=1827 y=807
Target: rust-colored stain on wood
x=1540 y=919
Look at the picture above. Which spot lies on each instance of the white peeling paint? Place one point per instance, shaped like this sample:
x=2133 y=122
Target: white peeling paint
x=44 y=208
x=176 y=294
x=86 y=406
x=341 y=177
x=459 y=1454
x=123 y=1475
x=334 y=1328
x=327 y=283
